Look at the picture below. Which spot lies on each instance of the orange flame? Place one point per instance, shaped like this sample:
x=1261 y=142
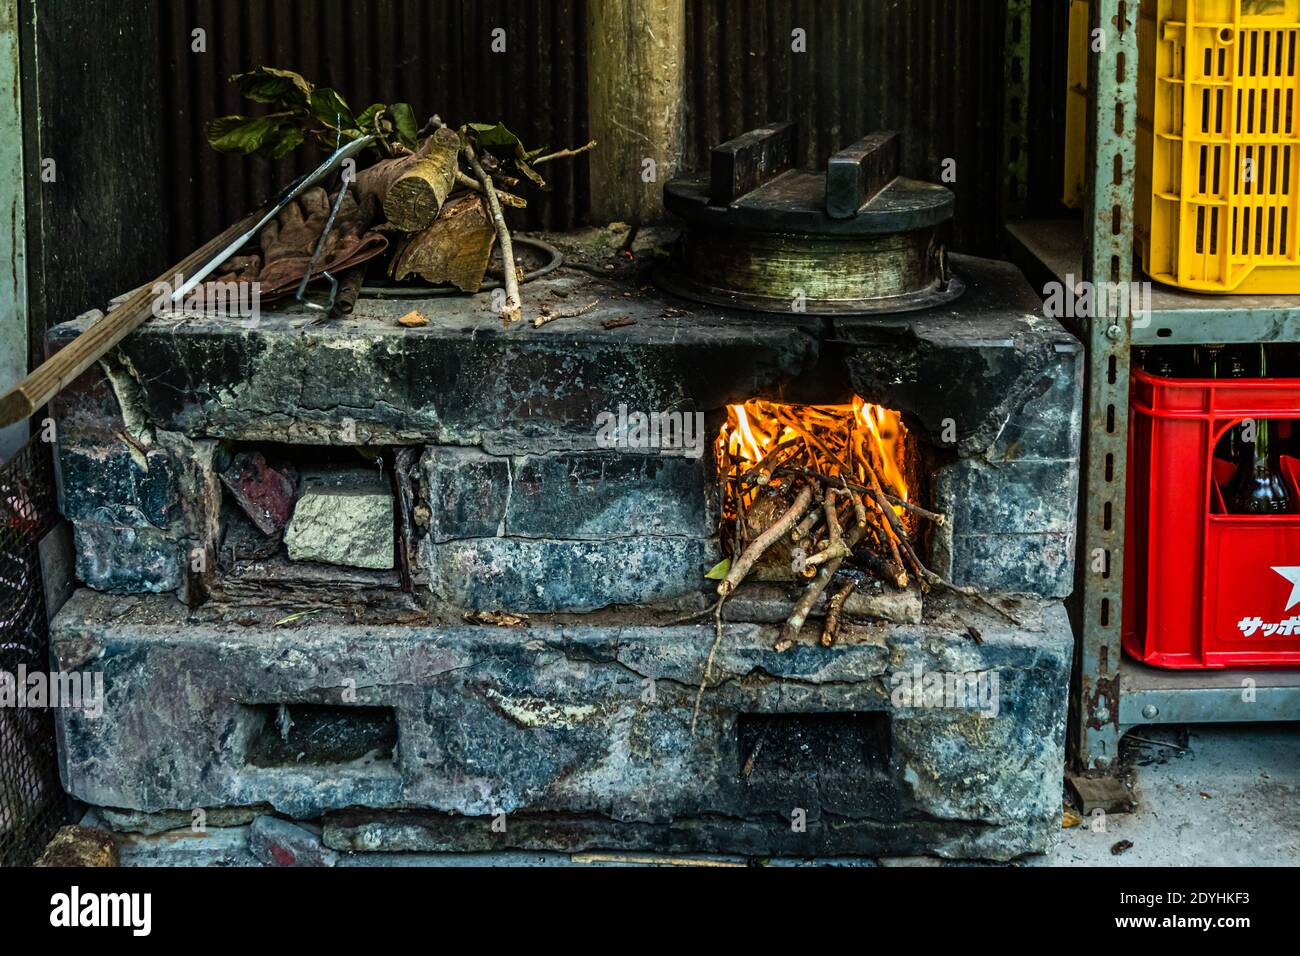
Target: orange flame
x=835 y=437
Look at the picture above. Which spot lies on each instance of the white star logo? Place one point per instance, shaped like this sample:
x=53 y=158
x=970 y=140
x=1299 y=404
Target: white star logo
x=1292 y=575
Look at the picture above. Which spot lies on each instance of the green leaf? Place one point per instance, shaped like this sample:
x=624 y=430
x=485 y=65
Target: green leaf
x=284 y=141
x=294 y=617
x=719 y=570
x=404 y=121
x=366 y=119
x=275 y=135
x=332 y=110
x=266 y=84
x=496 y=136
x=241 y=134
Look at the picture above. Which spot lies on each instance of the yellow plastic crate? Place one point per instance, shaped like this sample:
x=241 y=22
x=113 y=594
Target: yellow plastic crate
x=1219 y=144
x=1076 y=105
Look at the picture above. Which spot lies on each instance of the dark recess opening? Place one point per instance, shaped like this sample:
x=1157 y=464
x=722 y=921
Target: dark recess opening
x=322 y=735
x=836 y=747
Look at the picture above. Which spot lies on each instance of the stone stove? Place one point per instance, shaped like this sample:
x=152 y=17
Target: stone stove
x=240 y=675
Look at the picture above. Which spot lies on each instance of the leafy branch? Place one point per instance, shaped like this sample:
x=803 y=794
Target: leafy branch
x=300 y=109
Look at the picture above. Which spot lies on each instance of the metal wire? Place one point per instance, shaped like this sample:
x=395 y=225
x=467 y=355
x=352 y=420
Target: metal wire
x=32 y=802
x=381 y=290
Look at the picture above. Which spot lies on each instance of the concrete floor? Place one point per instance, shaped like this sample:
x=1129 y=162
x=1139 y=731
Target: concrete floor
x=1232 y=798
x=1210 y=795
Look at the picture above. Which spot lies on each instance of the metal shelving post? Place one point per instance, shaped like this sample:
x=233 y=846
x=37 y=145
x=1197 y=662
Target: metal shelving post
x=1112 y=694
x=1107 y=258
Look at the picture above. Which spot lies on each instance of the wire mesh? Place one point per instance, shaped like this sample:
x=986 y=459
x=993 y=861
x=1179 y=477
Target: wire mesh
x=32 y=802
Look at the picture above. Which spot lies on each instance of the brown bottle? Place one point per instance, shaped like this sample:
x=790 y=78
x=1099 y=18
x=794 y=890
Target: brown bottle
x=1258 y=488
x=1232 y=444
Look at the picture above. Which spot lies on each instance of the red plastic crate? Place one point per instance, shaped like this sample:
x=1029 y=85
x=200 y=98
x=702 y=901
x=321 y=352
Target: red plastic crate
x=1203 y=589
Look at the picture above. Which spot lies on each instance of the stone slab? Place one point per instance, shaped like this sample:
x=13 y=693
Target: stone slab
x=538 y=575
x=591 y=722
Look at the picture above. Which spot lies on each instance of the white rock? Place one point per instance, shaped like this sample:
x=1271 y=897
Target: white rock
x=343 y=517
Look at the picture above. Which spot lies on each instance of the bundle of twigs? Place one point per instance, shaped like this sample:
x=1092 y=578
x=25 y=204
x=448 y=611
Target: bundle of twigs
x=824 y=496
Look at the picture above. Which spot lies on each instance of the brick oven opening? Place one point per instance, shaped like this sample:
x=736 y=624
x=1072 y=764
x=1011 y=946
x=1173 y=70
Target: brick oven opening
x=848 y=471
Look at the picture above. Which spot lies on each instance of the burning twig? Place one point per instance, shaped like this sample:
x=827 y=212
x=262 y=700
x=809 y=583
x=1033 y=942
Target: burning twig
x=835 y=544
x=761 y=473
x=512 y=311
x=937 y=517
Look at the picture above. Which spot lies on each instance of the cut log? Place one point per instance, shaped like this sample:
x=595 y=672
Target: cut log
x=454 y=249
x=415 y=197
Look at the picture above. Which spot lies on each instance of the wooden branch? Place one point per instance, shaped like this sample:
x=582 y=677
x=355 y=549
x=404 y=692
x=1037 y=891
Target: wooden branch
x=836 y=547
x=833 y=611
x=760 y=473
x=550 y=313
x=810 y=595
x=935 y=516
x=708 y=662
x=740 y=567
x=512 y=311
x=563 y=154
x=57 y=372
x=805 y=527
x=507 y=199
x=882 y=568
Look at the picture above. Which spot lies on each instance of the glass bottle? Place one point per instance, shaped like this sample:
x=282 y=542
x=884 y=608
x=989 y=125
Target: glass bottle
x=1258 y=488
x=1232 y=450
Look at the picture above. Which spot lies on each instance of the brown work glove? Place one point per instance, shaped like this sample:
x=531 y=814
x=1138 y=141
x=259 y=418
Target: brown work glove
x=289 y=241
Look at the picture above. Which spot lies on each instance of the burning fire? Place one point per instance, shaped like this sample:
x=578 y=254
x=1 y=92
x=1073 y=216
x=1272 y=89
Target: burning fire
x=831 y=440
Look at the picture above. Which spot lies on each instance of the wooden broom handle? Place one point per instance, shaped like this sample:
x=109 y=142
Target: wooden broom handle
x=55 y=373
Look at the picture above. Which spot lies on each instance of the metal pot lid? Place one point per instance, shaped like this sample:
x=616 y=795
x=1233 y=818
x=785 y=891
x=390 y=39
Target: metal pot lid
x=856 y=239
x=752 y=185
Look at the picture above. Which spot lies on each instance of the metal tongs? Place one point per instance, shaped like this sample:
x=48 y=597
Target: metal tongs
x=290 y=193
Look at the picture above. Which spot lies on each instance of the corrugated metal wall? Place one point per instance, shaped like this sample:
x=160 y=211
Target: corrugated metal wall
x=434 y=54
x=930 y=68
